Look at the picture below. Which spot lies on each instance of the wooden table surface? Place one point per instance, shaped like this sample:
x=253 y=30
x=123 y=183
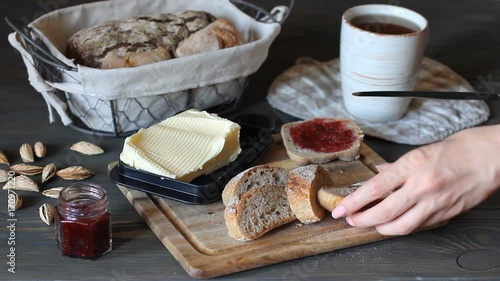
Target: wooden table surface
x=465 y=36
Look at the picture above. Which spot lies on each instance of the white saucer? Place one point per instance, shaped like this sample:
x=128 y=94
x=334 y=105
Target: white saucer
x=311 y=89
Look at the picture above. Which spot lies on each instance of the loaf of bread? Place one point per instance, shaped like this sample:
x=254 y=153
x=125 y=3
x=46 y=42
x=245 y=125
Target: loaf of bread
x=302 y=190
x=135 y=41
x=218 y=35
x=257 y=211
x=322 y=140
x=252 y=178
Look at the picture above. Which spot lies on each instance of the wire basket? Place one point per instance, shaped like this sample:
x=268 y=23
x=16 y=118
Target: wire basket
x=122 y=117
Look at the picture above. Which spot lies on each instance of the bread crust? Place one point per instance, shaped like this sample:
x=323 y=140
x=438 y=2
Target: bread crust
x=302 y=189
x=307 y=156
x=231 y=215
x=253 y=177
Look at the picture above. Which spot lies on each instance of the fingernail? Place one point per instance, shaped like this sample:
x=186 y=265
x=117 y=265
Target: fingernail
x=338 y=212
x=349 y=221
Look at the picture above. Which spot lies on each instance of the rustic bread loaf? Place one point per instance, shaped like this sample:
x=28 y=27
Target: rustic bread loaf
x=218 y=35
x=135 y=41
x=322 y=140
x=302 y=190
x=253 y=213
x=254 y=177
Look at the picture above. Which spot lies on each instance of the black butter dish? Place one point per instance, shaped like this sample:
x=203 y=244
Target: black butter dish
x=204 y=189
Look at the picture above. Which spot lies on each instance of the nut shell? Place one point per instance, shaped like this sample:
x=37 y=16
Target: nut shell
x=53 y=192
x=26 y=152
x=3 y=159
x=21 y=183
x=4 y=175
x=48 y=172
x=74 y=173
x=87 y=148
x=26 y=169
x=47 y=212
x=40 y=149
x=15 y=200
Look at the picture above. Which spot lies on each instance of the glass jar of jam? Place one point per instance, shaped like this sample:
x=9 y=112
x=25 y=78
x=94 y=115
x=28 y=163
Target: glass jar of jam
x=83 y=221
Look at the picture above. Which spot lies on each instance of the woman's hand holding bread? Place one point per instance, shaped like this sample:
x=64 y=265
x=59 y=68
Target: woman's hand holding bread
x=437 y=182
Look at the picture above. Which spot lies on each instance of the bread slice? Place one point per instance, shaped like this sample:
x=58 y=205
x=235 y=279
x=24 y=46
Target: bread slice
x=329 y=197
x=322 y=140
x=257 y=211
x=302 y=190
x=254 y=177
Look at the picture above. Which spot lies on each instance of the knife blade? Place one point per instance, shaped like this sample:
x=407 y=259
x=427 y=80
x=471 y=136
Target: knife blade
x=431 y=95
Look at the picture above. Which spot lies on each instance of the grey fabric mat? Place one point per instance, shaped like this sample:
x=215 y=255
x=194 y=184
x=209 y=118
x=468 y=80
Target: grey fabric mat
x=311 y=89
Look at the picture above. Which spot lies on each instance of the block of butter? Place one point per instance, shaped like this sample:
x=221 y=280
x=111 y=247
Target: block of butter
x=184 y=146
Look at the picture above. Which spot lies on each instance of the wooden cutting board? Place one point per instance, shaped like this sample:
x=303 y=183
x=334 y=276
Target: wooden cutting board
x=196 y=235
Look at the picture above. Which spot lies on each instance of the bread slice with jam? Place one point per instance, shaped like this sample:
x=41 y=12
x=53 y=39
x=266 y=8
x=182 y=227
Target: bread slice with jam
x=322 y=140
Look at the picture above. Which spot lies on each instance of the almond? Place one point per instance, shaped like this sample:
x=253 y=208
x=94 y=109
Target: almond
x=40 y=150
x=87 y=148
x=53 y=192
x=26 y=169
x=21 y=183
x=48 y=172
x=4 y=175
x=47 y=213
x=26 y=152
x=15 y=201
x=3 y=159
x=74 y=173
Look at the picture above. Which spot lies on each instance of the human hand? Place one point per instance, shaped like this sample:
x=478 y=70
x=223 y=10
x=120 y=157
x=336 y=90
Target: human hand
x=437 y=182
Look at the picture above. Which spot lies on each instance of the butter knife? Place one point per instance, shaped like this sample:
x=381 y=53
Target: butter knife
x=431 y=95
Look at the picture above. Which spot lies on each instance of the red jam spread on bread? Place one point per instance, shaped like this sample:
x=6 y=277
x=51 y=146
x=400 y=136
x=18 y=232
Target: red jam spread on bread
x=323 y=137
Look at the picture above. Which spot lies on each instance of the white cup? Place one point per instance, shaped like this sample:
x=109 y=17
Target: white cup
x=373 y=59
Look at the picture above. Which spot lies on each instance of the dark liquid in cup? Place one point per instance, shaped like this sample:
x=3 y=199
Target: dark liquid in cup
x=384 y=24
